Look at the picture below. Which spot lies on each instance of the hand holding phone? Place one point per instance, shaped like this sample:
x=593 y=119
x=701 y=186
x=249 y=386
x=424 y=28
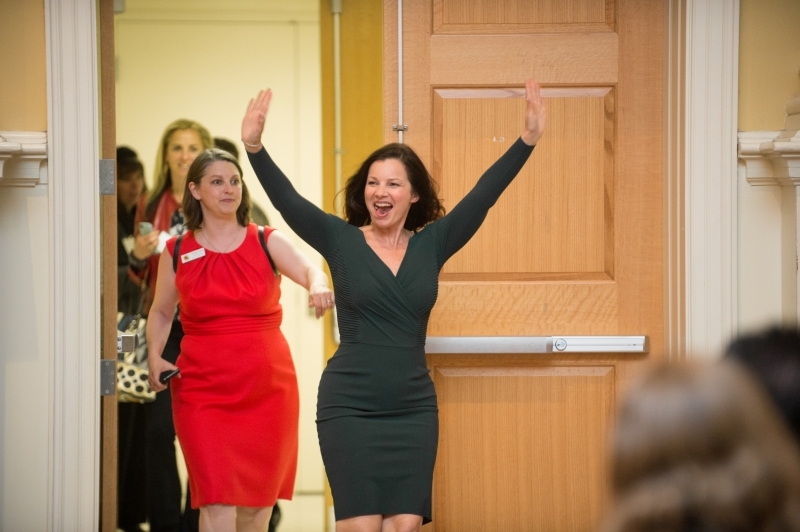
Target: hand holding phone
x=167 y=375
x=145 y=227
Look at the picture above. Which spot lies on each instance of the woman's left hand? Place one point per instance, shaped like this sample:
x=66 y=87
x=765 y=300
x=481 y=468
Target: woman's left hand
x=321 y=298
x=535 y=113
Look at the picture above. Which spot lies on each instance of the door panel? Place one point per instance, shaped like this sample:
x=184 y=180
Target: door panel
x=573 y=247
x=559 y=58
x=527 y=417
x=553 y=217
x=522 y=15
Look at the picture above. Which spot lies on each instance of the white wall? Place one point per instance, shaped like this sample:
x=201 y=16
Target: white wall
x=204 y=61
x=24 y=352
x=759 y=262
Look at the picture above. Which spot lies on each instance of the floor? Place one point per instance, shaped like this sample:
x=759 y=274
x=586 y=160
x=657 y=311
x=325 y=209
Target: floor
x=305 y=513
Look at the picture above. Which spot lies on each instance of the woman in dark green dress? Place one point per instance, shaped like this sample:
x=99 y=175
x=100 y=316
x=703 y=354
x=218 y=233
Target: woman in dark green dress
x=377 y=417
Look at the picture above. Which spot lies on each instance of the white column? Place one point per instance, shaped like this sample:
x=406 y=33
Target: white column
x=712 y=48
x=75 y=274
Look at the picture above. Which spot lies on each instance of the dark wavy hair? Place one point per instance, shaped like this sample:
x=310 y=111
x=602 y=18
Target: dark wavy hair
x=424 y=211
x=191 y=207
x=128 y=163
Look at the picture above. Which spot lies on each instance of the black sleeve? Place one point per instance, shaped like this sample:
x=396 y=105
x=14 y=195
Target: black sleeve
x=311 y=223
x=461 y=223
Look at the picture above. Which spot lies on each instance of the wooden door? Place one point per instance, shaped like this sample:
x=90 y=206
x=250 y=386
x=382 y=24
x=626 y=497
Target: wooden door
x=108 y=230
x=573 y=247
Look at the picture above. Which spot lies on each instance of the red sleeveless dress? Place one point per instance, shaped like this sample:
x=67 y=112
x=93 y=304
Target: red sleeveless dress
x=236 y=405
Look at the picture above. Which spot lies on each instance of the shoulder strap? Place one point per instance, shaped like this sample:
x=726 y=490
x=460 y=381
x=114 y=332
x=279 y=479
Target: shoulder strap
x=175 y=253
x=264 y=246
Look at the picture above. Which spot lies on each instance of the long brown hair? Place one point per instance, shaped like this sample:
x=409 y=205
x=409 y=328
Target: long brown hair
x=192 y=211
x=424 y=211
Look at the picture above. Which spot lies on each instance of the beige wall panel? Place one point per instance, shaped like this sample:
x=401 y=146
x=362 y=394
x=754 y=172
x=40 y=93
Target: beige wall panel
x=553 y=58
x=552 y=217
x=769 y=62
x=522 y=445
x=23 y=84
x=25 y=358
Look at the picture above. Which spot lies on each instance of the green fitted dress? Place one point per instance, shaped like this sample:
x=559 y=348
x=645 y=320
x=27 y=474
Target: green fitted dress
x=377 y=418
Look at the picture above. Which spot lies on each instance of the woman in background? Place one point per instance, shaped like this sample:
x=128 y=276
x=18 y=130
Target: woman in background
x=180 y=144
x=131 y=487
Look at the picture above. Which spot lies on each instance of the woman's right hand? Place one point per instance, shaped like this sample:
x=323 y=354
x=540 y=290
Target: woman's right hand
x=156 y=366
x=145 y=245
x=254 y=120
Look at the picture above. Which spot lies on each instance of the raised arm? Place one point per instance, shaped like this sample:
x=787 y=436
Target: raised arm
x=306 y=219
x=464 y=220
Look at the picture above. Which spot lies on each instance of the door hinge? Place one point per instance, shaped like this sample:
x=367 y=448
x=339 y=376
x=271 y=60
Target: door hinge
x=107 y=177
x=108 y=377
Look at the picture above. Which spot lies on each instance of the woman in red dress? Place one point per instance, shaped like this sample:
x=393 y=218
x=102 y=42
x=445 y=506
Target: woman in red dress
x=235 y=400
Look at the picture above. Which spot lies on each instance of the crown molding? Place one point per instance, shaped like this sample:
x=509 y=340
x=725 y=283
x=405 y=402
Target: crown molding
x=773 y=157
x=23 y=158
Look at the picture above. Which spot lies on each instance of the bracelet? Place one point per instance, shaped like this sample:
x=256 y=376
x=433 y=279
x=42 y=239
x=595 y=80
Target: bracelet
x=251 y=145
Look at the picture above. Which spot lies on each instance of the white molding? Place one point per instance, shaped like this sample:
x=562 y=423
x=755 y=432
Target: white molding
x=23 y=158
x=758 y=168
x=712 y=54
x=74 y=414
x=773 y=157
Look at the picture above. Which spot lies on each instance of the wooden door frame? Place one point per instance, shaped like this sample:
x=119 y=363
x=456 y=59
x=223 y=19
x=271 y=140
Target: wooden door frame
x=109 y=269
x=701 y=307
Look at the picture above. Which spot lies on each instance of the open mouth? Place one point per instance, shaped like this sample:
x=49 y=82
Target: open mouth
x=382 y=208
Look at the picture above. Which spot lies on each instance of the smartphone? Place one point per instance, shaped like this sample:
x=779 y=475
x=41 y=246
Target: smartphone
x=145 y=227
x=167 y=375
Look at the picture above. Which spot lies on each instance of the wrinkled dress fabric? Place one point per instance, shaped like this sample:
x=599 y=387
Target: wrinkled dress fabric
x=236 y=403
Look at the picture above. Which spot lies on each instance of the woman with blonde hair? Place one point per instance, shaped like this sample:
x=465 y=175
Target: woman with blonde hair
x=158 y=217
x=701 y=449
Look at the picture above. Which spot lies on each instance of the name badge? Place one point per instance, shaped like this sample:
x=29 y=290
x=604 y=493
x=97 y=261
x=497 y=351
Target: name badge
x=196 y=254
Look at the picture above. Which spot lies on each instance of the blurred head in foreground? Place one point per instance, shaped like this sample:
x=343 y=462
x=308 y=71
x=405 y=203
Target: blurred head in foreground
x=701 y=449
x=773 y=357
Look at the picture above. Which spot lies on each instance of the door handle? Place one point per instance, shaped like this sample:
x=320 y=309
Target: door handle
x=535 y=344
